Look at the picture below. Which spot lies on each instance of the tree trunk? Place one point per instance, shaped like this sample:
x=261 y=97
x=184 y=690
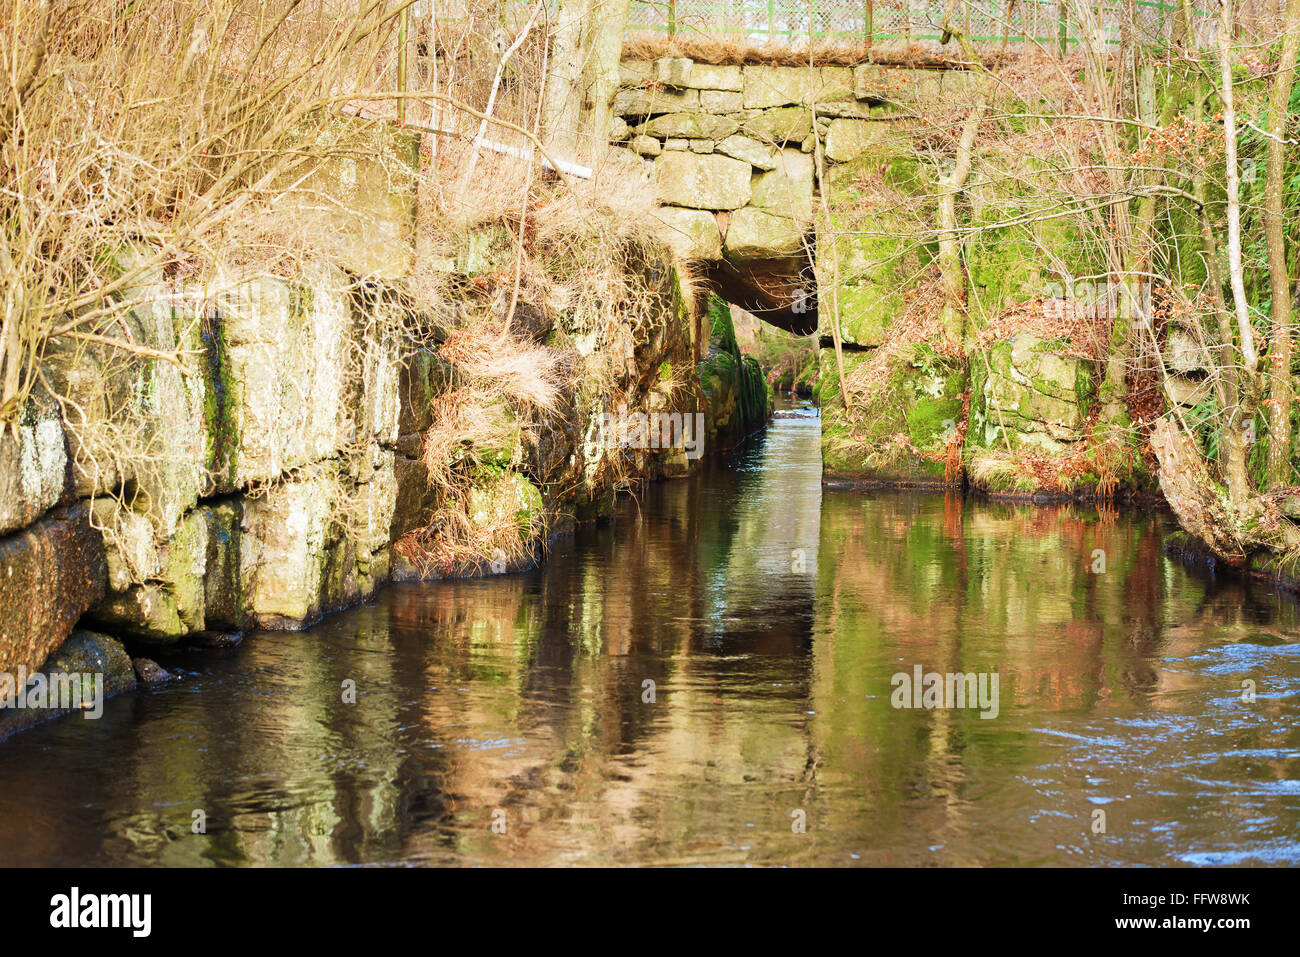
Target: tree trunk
x=952 y=275
x=562 y=94
x=609 y=24
x=1232 y=435
x=1280 y=398
x=1189 y=490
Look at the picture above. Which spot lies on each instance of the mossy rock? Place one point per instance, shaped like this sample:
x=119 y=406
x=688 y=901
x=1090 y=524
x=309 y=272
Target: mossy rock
x=89 y=652
x=1032 y=391
x=1005 y=262
x=499 y=495
x=902 y=435
x=737 y=398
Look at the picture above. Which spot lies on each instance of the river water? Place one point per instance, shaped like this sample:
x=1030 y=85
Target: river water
x=709 y=680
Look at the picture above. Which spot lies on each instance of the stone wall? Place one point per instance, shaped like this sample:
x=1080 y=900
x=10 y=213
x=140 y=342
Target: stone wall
x=263 y=480
x=805 y=193
x=743 y=158
x=734 y=152
x=250 y=483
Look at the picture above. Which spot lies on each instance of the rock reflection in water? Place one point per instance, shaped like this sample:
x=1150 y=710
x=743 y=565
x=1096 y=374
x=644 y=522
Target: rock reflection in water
x=769 y=617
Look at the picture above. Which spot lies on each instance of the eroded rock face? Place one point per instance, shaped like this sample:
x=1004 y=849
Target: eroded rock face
x=279 y=376
x=165 y=599
x=50 y=573
x=284 y=349
x=737 y=396
x=137 y=427
x=317 y=542
x=223 y=580
x=33 y=465
x=902 y=434
x=289 y=441
x=1035 y=394
x=782 y=292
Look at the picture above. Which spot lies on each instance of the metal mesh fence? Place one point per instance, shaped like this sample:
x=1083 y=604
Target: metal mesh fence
x=1006 y=24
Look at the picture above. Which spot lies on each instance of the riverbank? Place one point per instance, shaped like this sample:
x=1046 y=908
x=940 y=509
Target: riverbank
x=277 y=445
x=428 y=460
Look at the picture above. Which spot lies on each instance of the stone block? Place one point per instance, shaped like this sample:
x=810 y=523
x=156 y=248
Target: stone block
x=646 y=145
x=634 y=73
x=700 y=181
x=847 y=138
x=170 y=603
x=50 y=574
x=786 y=190
x=721 y=101
x=136 y=423
x=692 y=125
x=753 y=152
x=769 y=86
x=33 y=464
x=786 y=125
x=285 y=354
x=1035 y=391
x=640 y=103
x=673 y=71
x=714 y=77
x=756 y=234
x=690 y=233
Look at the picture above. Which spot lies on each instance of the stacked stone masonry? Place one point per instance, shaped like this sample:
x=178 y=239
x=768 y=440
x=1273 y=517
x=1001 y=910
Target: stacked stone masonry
x=264 y=479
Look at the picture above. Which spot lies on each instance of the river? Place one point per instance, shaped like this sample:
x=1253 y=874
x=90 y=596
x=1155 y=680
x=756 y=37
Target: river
x=710 y=680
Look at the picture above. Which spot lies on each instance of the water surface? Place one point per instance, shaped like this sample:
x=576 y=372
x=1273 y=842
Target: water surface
x=770 y=617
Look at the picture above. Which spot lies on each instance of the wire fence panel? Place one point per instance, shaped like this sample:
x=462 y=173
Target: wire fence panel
x=914 y=24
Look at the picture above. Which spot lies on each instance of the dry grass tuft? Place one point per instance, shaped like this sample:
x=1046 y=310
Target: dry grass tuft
x=453 y=545
x=105 y=142
x=505 y=369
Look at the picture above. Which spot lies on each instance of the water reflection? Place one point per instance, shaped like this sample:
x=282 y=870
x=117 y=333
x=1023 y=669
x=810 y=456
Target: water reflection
x=769 y=618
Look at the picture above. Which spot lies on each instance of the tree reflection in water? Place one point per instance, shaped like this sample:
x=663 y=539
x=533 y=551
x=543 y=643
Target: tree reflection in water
x=770 y=617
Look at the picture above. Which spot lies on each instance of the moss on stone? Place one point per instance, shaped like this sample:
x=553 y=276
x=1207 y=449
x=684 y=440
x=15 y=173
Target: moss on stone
x=220 y=399
x=737 y=395
x=902 y=435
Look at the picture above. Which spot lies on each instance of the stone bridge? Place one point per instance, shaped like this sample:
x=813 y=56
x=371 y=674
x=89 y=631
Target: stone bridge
x=734 y=152
x=790 y=187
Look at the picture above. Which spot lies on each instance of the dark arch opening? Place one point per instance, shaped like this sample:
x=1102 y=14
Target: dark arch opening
x=781 y=291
